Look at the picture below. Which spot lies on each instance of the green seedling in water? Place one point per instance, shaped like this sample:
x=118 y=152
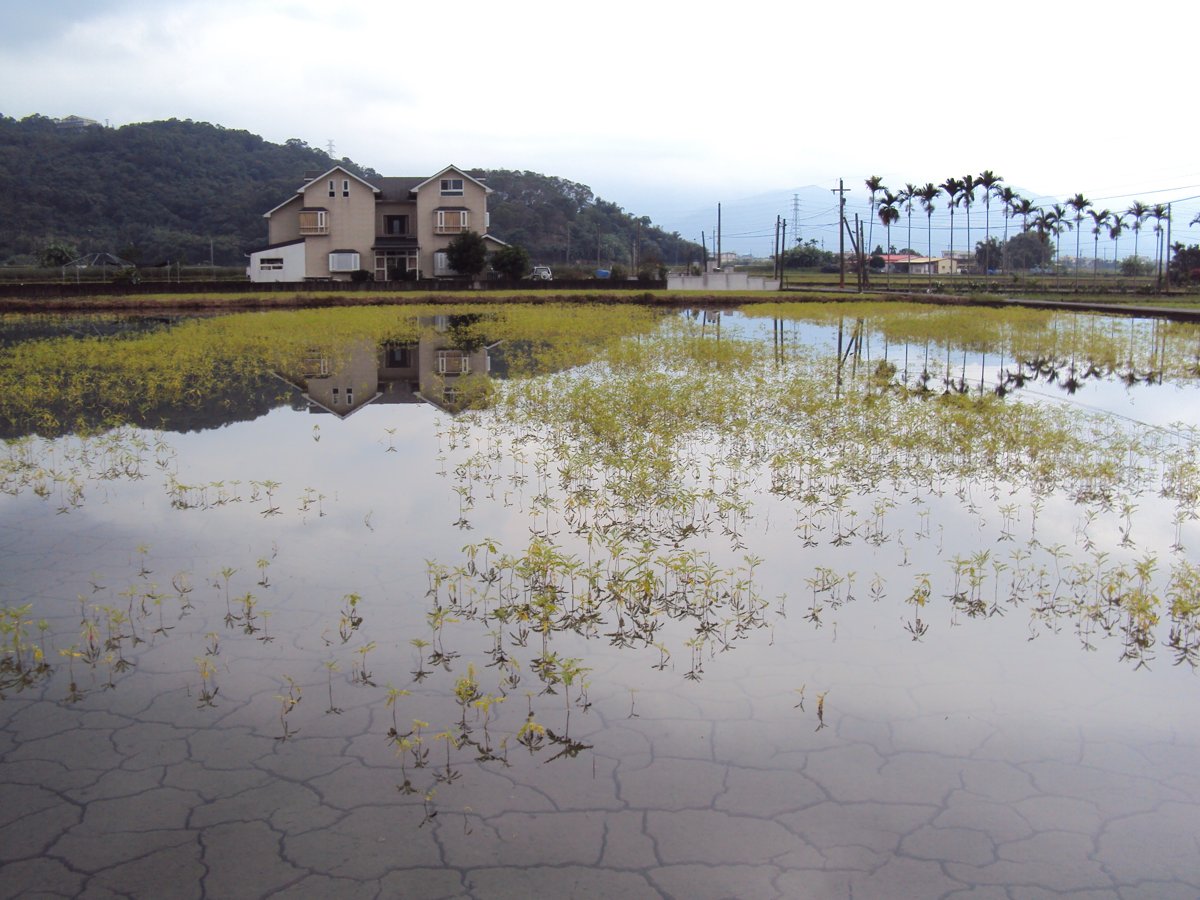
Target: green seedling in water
x=359 y=673
x=349 y=618
x=331 y=666
x=287 y=702
x=208 y=688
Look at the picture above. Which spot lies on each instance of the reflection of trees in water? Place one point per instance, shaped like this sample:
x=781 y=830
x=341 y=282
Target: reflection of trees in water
x=644 y=479
x=187 y=374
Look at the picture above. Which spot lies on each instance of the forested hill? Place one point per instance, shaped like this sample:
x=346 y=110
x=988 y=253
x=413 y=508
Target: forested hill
x=558 y=221
x=161 y=191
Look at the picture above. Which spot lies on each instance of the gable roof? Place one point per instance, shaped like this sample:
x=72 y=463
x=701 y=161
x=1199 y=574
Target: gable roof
x=456 y=170
x=300 y=190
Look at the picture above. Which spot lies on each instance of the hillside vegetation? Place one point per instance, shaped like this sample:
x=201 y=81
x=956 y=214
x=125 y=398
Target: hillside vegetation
x=177 y=190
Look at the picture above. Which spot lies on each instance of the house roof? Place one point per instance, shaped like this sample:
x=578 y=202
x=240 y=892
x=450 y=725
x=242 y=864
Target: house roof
x=300 y=190
x=457 y=171
x=398 y=187
x=275 y=246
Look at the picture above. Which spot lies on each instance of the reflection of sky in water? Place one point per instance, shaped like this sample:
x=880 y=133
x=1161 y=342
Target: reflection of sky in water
x=992 y=751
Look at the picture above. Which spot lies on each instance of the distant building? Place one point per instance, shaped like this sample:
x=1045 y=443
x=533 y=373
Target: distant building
x=76 y=122
x=395 y=228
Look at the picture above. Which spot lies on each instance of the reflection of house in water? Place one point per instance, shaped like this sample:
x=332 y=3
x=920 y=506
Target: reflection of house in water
x=442 y=367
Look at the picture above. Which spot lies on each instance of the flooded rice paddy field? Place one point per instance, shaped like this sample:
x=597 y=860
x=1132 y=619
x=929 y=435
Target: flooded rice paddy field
x=803 y=601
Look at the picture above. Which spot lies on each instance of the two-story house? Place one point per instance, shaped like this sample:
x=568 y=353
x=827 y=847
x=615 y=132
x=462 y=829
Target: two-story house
x=395 y=228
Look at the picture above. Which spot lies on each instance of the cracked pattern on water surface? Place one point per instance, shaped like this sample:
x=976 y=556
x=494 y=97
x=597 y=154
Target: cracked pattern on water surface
x=675 y=800
x=224 y=723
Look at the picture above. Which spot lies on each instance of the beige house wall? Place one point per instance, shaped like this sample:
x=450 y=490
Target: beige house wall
x=351 y=221
x=284 y=223
x=430 y=198
x=355 y=221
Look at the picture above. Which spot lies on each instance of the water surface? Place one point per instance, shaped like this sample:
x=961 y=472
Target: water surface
x=842 y=601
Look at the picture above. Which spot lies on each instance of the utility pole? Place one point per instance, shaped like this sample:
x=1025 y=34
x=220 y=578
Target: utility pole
x=775 y=251
x=796 y=218
x=718 y=235
x=840 y=190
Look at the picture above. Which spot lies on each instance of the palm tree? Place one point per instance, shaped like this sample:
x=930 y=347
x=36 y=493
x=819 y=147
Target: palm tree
x=1079 y=203
x=927 y=195
x=874 y=186
x=953 y=187
x=1116 y=226
x=1024 y=208
x=1159 y=212
x=1009 y=200
x=889 y=212
x=988 y=180
x=969 y=184
x=1043 y=222
x=1138 y=211
x=1099 y=220
x=1057 y=217
x=907 y=195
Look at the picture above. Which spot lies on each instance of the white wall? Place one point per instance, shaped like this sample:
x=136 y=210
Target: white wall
x=293 y=263
x=721 y=281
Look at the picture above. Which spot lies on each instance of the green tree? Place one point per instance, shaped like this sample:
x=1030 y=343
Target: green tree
x=1099 y=221
x=952 y=188
x=1185 y=264
x=1116 y=227
x=1080 y=204
x=969 y=186
x=889 y=212
x=907 y=195
x=874 y=186
x=808 y=256
x=511 y=262
x=927 y=194
x=56 y=254
x=989 y=181
x=1009 y=200
x=1137 y=212
x=1027 y=250
x=1159 y=212
x=467 y=254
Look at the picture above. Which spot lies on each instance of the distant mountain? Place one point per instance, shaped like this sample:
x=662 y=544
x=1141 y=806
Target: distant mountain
x=748 y=223
x=178 y=190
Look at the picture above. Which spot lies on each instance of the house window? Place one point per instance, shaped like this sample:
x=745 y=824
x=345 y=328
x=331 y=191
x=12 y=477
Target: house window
x=314 y=221
x=401 y=356
x=345 y=187
x=343 y=261
x=452 y=221
x=270 y=263
x=332 y=192
x=349 y=396
x=453 y=362
x=336 y=398
x=395 y=225
x=441 y=264
x=452 y=187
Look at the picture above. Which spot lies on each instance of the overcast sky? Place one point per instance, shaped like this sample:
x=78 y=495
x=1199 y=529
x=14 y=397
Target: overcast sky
x=662 y=108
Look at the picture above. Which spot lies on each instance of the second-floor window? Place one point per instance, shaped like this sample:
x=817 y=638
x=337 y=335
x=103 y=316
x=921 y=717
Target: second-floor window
x=452 y=187
x=314 y=221
x=452 y=221
x=345 y=187
x=395 y=225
